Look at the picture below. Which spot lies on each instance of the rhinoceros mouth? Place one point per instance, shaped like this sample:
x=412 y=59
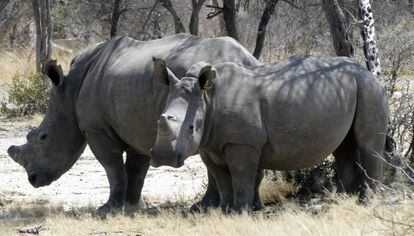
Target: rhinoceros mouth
x=180 y=161
x=39 y=179
x=176 y=160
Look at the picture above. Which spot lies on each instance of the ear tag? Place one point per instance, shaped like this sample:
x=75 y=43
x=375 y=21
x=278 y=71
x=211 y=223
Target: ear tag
x=208 y=85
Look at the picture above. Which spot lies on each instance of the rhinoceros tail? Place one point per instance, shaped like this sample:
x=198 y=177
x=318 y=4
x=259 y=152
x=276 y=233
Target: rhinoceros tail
x=392 y=152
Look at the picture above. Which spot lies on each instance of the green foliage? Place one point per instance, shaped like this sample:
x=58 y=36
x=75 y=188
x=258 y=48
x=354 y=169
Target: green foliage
x=28 y=95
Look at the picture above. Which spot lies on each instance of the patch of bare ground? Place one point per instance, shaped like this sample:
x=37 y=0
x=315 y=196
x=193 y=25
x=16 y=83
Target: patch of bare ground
x=86 y=183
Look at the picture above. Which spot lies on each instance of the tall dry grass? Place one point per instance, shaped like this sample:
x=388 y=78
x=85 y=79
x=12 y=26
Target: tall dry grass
x=339 y=216
x=22 y=60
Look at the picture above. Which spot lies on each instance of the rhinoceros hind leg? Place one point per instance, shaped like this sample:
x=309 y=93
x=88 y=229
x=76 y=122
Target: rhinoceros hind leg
x=348 y=172
x=136 y=166
x=370 y=131
x=372 y=165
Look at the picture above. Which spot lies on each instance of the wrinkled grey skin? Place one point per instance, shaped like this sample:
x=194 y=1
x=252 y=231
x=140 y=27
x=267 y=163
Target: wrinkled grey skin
x=286 y=116
x=111 y=101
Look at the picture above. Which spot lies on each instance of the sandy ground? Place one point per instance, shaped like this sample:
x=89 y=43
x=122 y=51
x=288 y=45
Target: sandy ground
x=85 y=183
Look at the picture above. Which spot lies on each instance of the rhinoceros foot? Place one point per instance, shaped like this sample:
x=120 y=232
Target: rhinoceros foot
x=257 y=204
x=107 y=209
x=210 y=199
x=130 y=209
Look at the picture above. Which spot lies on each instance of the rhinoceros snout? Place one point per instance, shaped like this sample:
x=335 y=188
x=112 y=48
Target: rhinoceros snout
x=154 y=164
x=39 y=179
x=175 y=160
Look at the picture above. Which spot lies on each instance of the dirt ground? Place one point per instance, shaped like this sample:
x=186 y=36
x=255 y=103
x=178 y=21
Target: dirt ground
x=85 y=184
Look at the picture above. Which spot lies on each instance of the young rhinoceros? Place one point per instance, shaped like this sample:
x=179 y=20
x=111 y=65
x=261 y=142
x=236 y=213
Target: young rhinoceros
x=286 y=116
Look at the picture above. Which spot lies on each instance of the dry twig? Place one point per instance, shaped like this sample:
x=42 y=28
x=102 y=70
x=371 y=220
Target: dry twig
x=31 y=230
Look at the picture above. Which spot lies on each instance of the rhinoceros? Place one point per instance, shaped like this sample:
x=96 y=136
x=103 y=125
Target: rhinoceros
x=283 y=116
x=111 y=101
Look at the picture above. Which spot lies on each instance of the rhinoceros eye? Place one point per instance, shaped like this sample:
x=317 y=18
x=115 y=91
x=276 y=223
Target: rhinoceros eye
x=43 y=136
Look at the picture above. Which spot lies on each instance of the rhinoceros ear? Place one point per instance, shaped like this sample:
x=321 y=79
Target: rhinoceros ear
x=162 y=73
x=206 y=76
x=54 y=72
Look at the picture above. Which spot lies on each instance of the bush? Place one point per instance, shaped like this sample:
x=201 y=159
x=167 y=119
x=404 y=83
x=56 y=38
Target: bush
x=316 y=180
x=28 y=95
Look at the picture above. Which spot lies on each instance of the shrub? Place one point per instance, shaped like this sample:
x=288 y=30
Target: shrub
x=314 y=180
x=28 y=94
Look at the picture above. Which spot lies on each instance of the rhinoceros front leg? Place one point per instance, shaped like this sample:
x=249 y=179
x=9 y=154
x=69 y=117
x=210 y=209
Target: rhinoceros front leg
x=222 y=180
x=109 y=154
x=136 y=166
x=242 y=161
x=257 y=201
x=211 y=197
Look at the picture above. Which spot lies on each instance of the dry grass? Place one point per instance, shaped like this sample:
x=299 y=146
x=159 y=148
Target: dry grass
x=340 y=217
x=22 y=60
x=272 y=191
x=12 y=62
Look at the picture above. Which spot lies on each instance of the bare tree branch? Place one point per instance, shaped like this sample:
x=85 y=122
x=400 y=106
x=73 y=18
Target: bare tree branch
x=292 y=4
x=149 y=16
x=261 y=32
x=178 y=25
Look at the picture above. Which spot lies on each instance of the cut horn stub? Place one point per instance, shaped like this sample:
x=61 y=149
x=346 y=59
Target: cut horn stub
x=13 y=152
x=163 y=126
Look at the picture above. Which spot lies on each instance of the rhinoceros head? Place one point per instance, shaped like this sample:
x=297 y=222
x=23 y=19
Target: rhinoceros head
x=54 y=146
x=181 y=125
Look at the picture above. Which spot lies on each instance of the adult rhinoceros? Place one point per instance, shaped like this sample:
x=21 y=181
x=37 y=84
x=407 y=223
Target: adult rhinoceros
x=285 y=116
x=111 y=101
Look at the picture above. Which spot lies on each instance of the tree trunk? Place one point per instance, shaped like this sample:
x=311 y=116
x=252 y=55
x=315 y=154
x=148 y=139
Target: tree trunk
x=178 y=25
x=193 y=26
x=36 y=14
x=116 y=14
x=412 y=143
x=229 y=15
x=9 y=15
x=261 y=32
x=341 y=37
x=47 y=32
x=368 y=36
x=41 y=12
x=220 y=18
